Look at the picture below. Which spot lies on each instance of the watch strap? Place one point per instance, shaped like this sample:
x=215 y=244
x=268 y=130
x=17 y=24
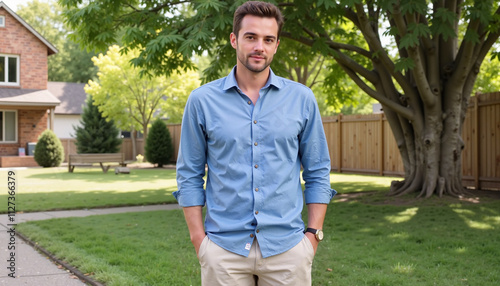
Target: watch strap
x=311 y=230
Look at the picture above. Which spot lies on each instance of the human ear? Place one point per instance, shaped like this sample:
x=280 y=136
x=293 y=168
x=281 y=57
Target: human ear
x=234 y=40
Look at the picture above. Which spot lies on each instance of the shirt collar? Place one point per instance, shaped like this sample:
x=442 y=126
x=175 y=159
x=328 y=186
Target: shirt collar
x=231 y=82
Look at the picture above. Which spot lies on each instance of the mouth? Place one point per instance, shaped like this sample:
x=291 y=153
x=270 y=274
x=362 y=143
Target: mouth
x=257 y=57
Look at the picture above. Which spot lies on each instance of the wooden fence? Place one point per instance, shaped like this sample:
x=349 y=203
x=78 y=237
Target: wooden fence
x=365 y=144
x=481 y=134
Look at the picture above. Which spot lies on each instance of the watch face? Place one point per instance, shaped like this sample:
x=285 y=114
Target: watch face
x=319 y=235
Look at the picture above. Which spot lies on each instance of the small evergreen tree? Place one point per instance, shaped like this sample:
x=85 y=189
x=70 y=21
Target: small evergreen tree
x=96 y=135
x=49 y=151
x=159 y=147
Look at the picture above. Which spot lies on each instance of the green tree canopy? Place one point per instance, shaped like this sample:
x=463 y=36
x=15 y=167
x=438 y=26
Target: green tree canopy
x=131 y=100
x=488 y=79
x=424 y=88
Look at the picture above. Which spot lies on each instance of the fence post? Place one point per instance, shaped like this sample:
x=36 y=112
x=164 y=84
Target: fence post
x=339 y=143
x=381 y=150
x=475 y=138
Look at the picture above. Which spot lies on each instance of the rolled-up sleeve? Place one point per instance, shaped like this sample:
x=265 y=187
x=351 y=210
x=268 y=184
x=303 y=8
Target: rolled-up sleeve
x=315 y=158
x=192 y=156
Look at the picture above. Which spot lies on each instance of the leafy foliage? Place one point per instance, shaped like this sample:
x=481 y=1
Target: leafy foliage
x=159 y=147
x=423 y=86
x=132 y=100
x=71 y=63
x=96 y=135
x=489 y=78
x=49 y=151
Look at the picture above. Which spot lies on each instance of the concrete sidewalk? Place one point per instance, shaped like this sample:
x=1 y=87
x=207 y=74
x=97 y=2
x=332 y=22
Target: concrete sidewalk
x=34 y=268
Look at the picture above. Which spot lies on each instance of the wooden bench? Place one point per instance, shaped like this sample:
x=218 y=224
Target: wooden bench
x=89 y=159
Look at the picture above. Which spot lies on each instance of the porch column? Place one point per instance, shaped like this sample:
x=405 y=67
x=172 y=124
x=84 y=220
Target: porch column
x=52 y=118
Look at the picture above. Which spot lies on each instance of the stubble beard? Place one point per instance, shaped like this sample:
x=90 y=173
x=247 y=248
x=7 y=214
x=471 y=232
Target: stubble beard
x=245 y=60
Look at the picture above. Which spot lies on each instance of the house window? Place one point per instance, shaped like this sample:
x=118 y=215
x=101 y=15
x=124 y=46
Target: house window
x=2 y=21
x=9 y=70
x=8 y=126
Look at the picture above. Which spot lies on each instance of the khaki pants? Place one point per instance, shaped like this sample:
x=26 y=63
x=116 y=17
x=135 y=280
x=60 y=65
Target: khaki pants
x=221 y=267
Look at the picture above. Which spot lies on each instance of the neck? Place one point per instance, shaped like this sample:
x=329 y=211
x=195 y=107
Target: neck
x=248 y=80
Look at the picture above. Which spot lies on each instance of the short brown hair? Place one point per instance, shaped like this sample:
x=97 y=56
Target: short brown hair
x=259 y=9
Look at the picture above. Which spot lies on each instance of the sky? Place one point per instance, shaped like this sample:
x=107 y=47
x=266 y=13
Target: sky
x=13 y=3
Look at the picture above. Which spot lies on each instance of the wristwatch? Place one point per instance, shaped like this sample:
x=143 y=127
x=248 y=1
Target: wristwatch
x=317 y=232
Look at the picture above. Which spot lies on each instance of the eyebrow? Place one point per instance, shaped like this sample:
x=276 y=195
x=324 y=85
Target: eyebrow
x=254 y=34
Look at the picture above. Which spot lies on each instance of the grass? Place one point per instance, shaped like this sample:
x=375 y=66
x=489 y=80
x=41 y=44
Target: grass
x=364 y=245
x=454 y=244
x=149 y=248
x=41 y=189
x=370 y=239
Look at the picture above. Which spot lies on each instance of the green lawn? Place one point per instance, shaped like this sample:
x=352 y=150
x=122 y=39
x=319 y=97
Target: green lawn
x=41 y=189
x=454 y=244
x=371 y=239
x=55 y=188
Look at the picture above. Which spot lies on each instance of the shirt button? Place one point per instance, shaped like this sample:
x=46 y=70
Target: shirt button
x=256 y=166
x=255 y=122
x=249 y=102
x=257 y=231
x=251 y=235
x=256 y=212
x=255 y=143
x=256 y=189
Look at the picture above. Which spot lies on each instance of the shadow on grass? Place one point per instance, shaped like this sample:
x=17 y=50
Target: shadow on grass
x=354 y=187
x=426 y=242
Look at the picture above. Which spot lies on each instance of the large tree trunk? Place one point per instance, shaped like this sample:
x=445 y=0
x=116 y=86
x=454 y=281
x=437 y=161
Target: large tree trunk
x=432 y=151
x=425 y=89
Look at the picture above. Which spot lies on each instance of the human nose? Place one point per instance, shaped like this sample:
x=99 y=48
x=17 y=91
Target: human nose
x=259 y=46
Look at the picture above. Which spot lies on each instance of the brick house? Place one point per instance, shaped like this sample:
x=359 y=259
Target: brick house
x=26 y=105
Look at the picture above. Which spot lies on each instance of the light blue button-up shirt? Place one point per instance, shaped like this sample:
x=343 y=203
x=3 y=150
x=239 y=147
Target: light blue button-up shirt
x=254 y=156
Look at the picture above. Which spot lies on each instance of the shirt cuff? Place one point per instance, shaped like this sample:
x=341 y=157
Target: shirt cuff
x=190 y=198
x=319 y=196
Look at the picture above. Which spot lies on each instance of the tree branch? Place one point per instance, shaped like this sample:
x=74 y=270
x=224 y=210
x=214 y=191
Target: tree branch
x=160 y=7
x=375 y=45
x=465 y=58
x=490 y=40
x=403 y=111
x=351 y=15
x=335 y=53
x=317 y=69
x=419 y=71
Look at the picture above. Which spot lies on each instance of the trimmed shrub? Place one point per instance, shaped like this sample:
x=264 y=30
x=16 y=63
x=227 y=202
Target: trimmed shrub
x=49 y=151
x=96 y=135
x=159 y=148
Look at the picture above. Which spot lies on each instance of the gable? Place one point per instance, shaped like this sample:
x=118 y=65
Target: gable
x=10 y=21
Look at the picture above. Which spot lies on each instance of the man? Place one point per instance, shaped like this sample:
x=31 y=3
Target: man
x=254 y=130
